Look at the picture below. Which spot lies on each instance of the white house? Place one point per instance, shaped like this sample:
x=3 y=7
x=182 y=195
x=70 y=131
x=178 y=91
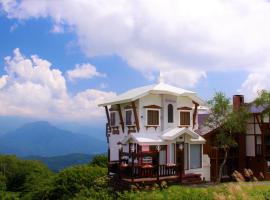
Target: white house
x=152 y=131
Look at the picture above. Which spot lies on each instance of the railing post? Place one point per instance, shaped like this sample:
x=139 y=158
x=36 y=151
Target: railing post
x=158 y=168
x=119 y=163
x=180 y=172
x=132 y=168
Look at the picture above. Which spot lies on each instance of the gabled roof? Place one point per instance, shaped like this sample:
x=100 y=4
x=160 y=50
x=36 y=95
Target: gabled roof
x=160 y=88
x=171 y=134
x=143 y=138
x=157 y=139
x=254 y=109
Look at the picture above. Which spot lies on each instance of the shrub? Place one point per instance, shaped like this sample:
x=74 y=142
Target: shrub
x=73 y=180
x=100 y=160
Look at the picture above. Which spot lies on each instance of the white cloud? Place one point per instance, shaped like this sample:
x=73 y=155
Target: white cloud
x=186 y=37
x=84 y=71
x=33 y=88
x=254 y=83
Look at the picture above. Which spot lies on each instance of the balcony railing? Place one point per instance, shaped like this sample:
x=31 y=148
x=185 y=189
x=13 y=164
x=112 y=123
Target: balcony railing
x=144 y=172
x=128 y=169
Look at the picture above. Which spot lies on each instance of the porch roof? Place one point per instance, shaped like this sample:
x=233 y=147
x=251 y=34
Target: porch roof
x=172 y=133
x=144 y=138
x=161 y=138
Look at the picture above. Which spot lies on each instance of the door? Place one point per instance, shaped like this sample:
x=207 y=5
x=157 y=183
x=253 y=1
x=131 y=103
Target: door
x=180 y=160
x=179 y=155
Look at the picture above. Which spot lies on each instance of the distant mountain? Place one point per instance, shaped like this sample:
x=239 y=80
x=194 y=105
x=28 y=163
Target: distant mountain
x=56 y=163
x=43 y=139
x=96 y=130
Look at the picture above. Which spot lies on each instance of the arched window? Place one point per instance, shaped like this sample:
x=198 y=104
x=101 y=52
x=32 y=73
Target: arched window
x=170 y=113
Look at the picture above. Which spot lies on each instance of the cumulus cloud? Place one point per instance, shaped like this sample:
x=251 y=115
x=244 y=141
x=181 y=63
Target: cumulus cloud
x=84 y=71
x=32 y=88
x=254 y=83
x=189 y=38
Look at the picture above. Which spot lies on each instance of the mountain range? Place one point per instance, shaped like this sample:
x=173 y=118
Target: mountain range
x=43 y=139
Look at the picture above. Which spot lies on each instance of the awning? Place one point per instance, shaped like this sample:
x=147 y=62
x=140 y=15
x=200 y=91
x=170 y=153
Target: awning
x=143 y=139
x=164 y=137
x=171 y=134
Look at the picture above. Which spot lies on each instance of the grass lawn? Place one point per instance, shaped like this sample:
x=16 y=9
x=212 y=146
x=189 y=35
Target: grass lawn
x=226 y=191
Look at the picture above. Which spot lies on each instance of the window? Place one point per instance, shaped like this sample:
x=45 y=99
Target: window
x=113 y=121
x=153 y=117
x=184 y=118
x=172 y=153
x=162 y=157
x=170 y=113
x=195 y=156
x=128 y=117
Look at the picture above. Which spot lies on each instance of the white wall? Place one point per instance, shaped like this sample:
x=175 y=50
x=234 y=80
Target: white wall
x=114 y=149
x=151 y=99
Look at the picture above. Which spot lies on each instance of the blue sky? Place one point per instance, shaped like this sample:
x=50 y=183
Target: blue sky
x=35 y=37
x=109 y=48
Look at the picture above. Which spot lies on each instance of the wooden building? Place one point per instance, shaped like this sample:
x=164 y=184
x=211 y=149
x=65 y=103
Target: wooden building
x=151 y=135
x=253 y=149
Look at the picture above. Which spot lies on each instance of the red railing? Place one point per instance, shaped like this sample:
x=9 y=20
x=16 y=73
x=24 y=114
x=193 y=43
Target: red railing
x=129 y=169
x=141 y=171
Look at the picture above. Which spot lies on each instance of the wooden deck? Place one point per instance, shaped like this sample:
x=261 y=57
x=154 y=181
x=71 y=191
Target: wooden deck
x=139 y=180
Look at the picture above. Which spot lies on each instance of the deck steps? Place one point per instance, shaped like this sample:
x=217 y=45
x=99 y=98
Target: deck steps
x=191 y=178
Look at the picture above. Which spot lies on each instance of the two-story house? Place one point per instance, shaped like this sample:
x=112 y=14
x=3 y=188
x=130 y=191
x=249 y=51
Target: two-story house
x=253 y=149
x=151 y=135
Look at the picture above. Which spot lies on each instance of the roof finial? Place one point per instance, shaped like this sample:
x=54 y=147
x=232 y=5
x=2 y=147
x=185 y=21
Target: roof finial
x=161 y=77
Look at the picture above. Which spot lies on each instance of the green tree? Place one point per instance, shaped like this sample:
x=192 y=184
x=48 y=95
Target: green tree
x=100 y=160
x=72 y=180
x=227 y=122
x=264 y=100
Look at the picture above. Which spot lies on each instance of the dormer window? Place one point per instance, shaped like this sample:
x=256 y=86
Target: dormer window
x=170 y=113
x=129 y=117
x=113 y=118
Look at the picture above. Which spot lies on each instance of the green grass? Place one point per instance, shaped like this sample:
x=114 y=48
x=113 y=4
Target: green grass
x=228 y=191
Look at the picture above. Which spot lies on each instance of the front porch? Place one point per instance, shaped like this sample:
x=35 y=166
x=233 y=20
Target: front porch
x=144 y=167
x=174 y=155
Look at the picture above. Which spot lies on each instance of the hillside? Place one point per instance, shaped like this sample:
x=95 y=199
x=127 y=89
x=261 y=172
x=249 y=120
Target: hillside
x=56 y=163
x=43 y=139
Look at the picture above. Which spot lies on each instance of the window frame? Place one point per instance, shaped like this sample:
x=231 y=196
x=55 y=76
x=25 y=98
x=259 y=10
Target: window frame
x=132 y=123
x=201 y=156
x=152 y=109
x=168 y=114
x=190 y=119
x=111 y=112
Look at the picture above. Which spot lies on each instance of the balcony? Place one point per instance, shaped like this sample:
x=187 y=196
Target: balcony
x=130 y=171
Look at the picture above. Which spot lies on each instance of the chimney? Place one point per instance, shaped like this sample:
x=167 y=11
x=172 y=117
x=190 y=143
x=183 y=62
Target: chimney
x=238 y=101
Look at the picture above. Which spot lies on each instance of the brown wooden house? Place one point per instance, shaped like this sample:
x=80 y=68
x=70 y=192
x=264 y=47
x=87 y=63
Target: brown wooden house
x=253 y=150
